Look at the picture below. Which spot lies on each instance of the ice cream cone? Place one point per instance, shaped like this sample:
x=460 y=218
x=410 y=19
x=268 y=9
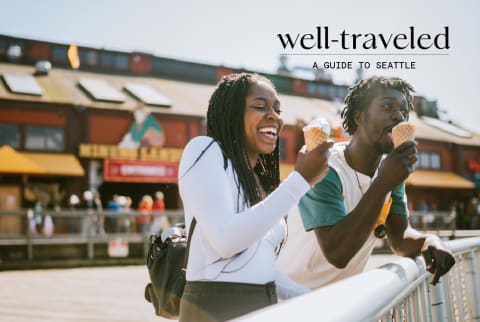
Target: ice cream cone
x=314 y=137
x=315 y=133
x=403 y=132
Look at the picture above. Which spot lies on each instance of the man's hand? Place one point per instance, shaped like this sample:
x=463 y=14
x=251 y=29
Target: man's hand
x=398 y=165
x=406 y=241
x=438 y=261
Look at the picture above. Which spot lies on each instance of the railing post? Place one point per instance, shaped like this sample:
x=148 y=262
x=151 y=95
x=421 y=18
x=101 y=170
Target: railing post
x=475 y=279
x=90 y=246
x=410 y=308
x=29 y=235
x=425 y=290
x=146 y=244
x=439 y=312
x=419 y=306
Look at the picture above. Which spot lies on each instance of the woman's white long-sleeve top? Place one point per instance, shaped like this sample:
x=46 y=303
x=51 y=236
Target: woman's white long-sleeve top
x=232 y=242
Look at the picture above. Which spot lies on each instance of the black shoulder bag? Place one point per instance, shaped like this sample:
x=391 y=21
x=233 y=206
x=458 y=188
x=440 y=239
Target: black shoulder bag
x=167 y=261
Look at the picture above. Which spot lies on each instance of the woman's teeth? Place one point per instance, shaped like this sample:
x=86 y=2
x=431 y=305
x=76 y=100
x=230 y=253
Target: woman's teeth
x=269 y=131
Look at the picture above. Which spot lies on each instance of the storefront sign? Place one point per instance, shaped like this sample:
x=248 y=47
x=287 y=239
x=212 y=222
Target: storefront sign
x=140 y=171
x=104 y=151
x=473 y=166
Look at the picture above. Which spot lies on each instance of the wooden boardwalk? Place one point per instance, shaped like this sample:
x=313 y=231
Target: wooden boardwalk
x=97 y=294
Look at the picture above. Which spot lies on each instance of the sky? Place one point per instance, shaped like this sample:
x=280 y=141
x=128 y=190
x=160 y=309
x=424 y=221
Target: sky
x=243 y=34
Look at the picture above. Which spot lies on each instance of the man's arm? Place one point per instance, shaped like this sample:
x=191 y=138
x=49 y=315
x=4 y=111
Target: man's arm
x=344 y=238
x=340 y=235
x=406 y=241
x=341 y=241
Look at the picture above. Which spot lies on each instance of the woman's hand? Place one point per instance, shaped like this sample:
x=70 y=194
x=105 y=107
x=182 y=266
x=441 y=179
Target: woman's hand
x=313 y=165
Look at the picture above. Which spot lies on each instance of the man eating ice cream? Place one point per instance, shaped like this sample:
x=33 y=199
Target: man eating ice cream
x=333 y=237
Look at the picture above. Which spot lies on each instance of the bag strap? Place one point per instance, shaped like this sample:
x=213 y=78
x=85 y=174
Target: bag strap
x=198 y=158
x=189 y=239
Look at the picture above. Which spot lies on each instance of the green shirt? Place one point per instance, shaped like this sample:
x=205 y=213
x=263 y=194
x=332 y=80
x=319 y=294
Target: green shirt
x=323 y=205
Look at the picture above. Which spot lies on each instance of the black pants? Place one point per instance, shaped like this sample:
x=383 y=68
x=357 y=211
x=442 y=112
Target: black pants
x=221 y=301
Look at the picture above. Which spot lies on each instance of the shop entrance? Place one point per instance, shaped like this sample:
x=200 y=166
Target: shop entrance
x=136 y=190
x=10 y=200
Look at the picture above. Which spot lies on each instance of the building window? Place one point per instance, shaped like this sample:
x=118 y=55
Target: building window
x=121 y=62
x=429 y=160
x=3 y=47
x=424 y=160
x=88 y=57
x=44 y=138
x=10 y=135
x=106 y=59
x=339 y=92
x=323 y=90
x=331 y=91
x=435 y=161
x=91 y=58
x=311 y=88
x=59 y=54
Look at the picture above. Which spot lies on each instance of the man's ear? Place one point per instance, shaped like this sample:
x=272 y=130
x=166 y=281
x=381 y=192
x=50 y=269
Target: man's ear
x=359 y=117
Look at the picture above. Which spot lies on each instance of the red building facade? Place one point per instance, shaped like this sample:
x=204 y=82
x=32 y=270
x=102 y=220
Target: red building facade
x=75 y=119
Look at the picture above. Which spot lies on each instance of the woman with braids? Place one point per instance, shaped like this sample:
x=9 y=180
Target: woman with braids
x=229 y=182
x=334 y=236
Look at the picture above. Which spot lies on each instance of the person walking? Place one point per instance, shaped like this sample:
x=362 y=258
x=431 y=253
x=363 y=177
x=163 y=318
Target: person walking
x=160 y=222
x=144 y=218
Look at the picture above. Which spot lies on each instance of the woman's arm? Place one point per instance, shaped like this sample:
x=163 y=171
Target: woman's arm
x=207 y=194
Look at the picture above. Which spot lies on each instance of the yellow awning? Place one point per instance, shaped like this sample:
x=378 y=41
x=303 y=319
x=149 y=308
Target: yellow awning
x=57 y=164
x=438 y=179
x=14 y=162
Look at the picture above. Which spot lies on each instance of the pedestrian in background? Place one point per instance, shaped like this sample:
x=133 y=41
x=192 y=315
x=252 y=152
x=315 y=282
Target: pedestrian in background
x=123 y=222
x=159 y=203
x=35 y=223
x=160 y=222
x=73 y=204
x=144 y=218
x=99 y=217
x=111 y=222
x=88 y=205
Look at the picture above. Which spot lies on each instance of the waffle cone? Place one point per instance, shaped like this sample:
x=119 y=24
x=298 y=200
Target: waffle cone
x=403 y=132
x=313 y=137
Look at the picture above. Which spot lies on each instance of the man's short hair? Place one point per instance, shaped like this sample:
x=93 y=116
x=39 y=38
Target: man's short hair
x=362 y=93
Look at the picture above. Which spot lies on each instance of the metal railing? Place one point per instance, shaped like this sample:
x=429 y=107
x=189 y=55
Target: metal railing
x=78 y=227
x=432 y=220
x=398 y=291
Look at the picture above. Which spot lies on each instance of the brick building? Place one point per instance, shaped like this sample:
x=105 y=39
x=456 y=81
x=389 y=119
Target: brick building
x=70 y=126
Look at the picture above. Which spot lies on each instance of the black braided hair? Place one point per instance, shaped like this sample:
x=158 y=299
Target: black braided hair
x=225 y=124
x=362 y=93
